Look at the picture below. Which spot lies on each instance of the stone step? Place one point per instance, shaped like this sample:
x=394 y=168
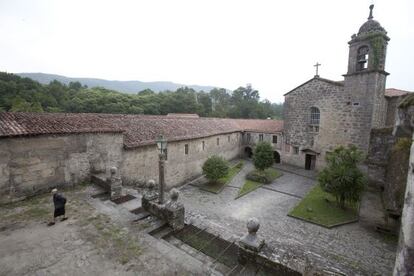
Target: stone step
x=142 y=215
x=155 y=224
x=162 y=232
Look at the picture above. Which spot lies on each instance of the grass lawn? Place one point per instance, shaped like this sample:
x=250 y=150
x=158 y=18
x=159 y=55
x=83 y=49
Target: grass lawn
x=248 y=187
x=272 y=173
x=320 y=207
x=217 y=187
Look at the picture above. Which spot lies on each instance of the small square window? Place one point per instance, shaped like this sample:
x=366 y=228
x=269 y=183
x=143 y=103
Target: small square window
x=260 y=137
x=186 y=148
x=295 y=150
x=218 y=141
x=274 y=139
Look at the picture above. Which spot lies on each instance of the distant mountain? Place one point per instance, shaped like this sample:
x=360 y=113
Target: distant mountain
x=121 y=86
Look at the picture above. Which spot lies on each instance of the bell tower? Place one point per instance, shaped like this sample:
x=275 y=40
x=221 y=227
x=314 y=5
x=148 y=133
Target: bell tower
x=365 y=81
x=367 y=49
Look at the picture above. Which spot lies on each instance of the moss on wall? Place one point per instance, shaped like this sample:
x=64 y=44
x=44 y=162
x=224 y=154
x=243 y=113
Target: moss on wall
x=396 y=177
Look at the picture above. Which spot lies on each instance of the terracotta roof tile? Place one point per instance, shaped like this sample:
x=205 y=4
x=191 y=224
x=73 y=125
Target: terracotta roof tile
x=138 y=130
x=392 y=92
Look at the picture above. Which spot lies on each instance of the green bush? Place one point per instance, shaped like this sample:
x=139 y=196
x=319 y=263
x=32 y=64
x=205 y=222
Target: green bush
x=263 y=156
x=215 y=168
x=258 y=176
x=266 y=176
x=240 y=165
x=342 y=177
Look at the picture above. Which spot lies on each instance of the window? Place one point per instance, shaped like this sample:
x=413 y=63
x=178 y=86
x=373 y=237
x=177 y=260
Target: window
x=362 y=58
x=248 y=137
x=295 y=150
x=203 y=145
x=228 y=138
x=260 y=137
x=274 y=139
x=186 y=149
x=315 y=116
x=218 y=141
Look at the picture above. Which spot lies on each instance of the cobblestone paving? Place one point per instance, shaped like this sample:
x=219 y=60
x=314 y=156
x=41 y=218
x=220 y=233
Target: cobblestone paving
x=351 y=245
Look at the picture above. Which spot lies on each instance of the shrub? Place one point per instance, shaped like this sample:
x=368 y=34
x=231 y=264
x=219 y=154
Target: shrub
x=263 y=156
x=342 y=177
x=240 y=165
x=258 y=176
x=215 y=168
x=266 y=176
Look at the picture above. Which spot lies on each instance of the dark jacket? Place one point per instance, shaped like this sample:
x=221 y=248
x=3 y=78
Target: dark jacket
x=59 y=201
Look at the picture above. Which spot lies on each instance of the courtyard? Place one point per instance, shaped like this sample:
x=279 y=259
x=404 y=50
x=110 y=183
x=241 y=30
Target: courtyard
x=104 y=238
x=352 y=247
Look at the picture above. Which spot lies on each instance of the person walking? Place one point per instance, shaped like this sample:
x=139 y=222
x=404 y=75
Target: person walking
x=59 y=202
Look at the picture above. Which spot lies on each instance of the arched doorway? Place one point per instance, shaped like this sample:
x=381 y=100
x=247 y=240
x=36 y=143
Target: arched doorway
x=248 y=152
x=276 y=157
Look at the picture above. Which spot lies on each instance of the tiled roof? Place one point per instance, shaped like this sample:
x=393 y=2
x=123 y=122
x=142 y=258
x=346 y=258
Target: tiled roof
x=138 y=130
x=392 y=92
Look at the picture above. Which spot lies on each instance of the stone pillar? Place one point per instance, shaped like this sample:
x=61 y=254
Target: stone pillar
x=161 y=177
x=250 y=245
x=172 y=212
x=115 y=183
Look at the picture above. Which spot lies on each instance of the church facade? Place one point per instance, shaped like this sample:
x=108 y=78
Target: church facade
x=321 y=114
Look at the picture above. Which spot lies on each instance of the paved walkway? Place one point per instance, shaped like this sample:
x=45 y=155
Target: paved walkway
x=351 y=246
x=296 y=170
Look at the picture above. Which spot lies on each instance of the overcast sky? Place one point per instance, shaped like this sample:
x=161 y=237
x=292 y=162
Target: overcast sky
x=270 y=44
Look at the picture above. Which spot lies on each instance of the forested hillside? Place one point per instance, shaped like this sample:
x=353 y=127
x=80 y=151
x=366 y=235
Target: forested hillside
x=120 y=86
x=23 y=94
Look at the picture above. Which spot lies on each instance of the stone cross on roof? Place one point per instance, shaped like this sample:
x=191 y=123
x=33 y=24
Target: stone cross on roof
x=317 y=67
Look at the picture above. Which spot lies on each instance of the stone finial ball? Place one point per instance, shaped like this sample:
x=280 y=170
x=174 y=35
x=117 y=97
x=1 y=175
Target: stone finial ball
x=113 y=170
x=253 y=225
x=174 y=194
x=151 y=184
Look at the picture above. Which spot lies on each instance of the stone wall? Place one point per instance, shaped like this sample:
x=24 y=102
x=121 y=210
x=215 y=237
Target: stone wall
x=141 y=164
x=380 y=146
x=387 y=163
x=392 y=104
x=30 y=165
x=252 y=138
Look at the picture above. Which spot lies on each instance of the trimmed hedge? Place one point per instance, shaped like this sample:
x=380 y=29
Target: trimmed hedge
x=266 y=176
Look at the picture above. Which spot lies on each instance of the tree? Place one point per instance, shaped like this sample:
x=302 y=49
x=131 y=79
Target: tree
x=263 y=156
x=342 y=177
x=215 y=168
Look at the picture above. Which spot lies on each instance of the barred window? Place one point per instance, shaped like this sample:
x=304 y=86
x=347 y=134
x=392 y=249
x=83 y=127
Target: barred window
x=260 y=137
x=315 y=116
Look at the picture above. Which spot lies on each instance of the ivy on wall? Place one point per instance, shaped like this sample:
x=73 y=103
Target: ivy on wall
x=377 y=46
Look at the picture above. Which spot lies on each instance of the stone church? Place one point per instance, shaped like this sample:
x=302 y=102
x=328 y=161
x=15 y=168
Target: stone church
x=41 y=151
x=321 y=114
